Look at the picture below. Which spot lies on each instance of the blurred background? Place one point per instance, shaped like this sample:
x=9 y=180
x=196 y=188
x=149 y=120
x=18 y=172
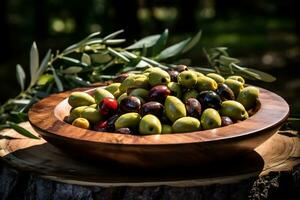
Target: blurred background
x=263 y=34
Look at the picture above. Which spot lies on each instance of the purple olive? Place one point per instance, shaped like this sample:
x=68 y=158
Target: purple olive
x=159 y=93
x=173 y=74
x=124 y=131
x=120 y=78
x=152 y=107
x=181 y=68
x=209 y=99
x=111 y=122
x=130 y=104
x=193 y=108
x=225 y=92
x=226 y=121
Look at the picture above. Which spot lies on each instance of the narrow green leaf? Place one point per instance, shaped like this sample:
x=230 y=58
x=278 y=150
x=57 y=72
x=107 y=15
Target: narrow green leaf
x=86 y=59
x=73 y=60
x=94 y=41
x=22 y=130
x=113 y=35
x=58 y=82
x=262 y=75
x=114 y=41
x=161 y=43
x=225 y=60
x=21 y=76
x=154 y=63
x=34 y=63
x=44 y=63
x=204 y=70
x=20 y=101
x=72 y=70
x=142 y=64
x=117 y=54
x=193 y=42
x=147 y=42
x=173 y=50
x=78 y=80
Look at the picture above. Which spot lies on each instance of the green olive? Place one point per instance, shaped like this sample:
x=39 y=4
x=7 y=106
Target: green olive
x=198 y=74
x=159 y=77
x=234 y=110
x=75 y=113
x=128 y=120
x=210 y=119
x=234 y=85
x=166 y=129
x=217 y=77
x=150 y=124
x=175 y=89
x=174 y=108
x=122 y=96
x=81 y=123
x=205 y=83
x=248 y=97
x=93 y=105
x=134 y=81
x=186 y=124
x=187 y=79
x=91 y=114
x=101 y=93
x=113 y=87
x=140 y=92
x=77 y=99
x=151 y=69
x=237 y=78
x=190 y=94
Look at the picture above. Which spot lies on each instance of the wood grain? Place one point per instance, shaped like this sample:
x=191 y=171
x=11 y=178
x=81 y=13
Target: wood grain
x=279 y=153
x=157 y=151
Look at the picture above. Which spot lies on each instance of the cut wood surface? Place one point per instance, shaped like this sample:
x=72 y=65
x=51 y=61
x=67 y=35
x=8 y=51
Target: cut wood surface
x=279 y=153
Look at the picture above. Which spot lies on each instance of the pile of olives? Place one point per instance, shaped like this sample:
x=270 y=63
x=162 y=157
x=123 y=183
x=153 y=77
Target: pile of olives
x=160 y=102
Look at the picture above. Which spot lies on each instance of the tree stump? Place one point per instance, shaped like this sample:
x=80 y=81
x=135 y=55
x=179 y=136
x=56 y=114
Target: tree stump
x=34 y=169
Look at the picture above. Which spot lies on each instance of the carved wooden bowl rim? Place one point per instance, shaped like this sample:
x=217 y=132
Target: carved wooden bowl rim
x=43 y=116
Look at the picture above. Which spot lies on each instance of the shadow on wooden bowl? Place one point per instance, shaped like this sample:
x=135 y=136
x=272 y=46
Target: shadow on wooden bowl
x=158 y=151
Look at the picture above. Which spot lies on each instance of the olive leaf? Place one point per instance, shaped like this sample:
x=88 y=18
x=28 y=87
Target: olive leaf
x=44 y=63
x=113 y=35
x=160 y=43
x=193 y=42
x=73 y=60
x=58 y=82
x=21 y=130
x=172 y=50
x=115 y=53
x=21 y=76
x=262 y=75
x=34 y=63
x=147 y=42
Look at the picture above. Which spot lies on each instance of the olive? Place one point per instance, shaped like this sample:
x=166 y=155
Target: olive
x=75 y=113
x=134 y=81
x=101 y=93
x=198 y=74
x=93 y=106
x=91 y=114
x=159 y=93
x=166 y=129
x=159 y=77
x=150 y=124
x=234 y=85
x=190 y=94
x=111 y=122
x=174 y=108
x=175 y=89
x=124 y=131
x=152 y=107
x=205 y=83
x=173 y=75
x=120 y=78
x=151 y=69
x=217 y=77
x=237 y=78
x=81 y=123
x=225 y=92
x=122 y=96
x=128 y=120
x=130 y=104
x=226 y=120
x=139 y=92
x=100 y=126
x=248 y=97
x=181 y=68
x=113 y=88
x=186 y=124
x=210 y=119
x=234 y=110
x=108 y=106
x=209 y=99
x=193 y=107
x=187 y=79
x=77 y=99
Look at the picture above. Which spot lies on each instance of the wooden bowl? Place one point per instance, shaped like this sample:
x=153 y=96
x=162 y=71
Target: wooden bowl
x=158 y=151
